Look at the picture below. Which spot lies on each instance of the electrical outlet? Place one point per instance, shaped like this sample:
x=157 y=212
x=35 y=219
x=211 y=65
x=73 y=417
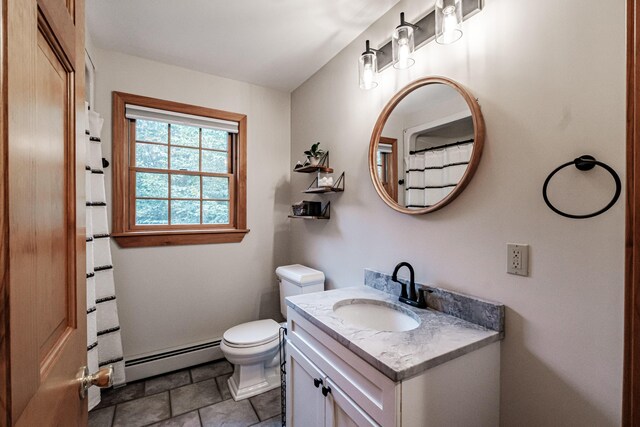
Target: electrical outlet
x=518 y=259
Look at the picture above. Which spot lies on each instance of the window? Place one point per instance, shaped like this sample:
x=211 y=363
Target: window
x=178 y=173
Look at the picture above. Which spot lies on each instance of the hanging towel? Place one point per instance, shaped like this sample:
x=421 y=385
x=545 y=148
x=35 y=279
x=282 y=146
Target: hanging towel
x=415 y=181
x=434 y=176
x=104 y=343
x=458 y=158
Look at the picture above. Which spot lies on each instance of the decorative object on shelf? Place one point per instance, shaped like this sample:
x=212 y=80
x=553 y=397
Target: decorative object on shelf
x=367 y=68
x=310 y=210
x=299 y=208
x=444 y=24
x=402 y=44
x=307 y=208
x=448 y=21
x=313 y=208
x=326 y=184
x=583 y=163
x=314 y=154
x=325 y=181
x=322 y=165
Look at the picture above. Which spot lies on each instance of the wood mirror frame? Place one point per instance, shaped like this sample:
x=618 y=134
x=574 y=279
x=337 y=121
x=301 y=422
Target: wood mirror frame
x=478 y=132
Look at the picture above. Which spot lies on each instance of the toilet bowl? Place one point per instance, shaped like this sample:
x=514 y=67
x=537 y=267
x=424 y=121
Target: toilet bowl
x=253 y=348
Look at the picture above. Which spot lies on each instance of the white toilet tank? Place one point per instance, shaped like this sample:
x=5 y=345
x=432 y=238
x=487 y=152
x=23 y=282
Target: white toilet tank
x=297 y=279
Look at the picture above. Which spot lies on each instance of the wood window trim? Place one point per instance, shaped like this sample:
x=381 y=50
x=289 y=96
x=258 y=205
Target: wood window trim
x=128 y=237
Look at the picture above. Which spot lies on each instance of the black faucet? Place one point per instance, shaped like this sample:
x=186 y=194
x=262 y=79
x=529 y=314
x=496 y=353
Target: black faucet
x=413 y=299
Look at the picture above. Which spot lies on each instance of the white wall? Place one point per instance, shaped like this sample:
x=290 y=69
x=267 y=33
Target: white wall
x=550 y=79
x=173 y=296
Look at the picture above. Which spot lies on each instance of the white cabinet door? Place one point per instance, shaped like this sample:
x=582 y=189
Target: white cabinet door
x=313 y=400
x=341 y=411
x=305 y=402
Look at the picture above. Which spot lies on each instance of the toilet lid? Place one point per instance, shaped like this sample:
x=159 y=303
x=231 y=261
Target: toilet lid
x=252 y=333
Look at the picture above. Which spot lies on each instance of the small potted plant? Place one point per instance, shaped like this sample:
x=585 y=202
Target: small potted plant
x=314 y=154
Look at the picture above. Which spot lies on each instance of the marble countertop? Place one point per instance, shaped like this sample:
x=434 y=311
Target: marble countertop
x=399 y=355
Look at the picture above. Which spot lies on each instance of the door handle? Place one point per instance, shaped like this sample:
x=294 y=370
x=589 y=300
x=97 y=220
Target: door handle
x=103 y=379
x=317 y=382
x=326 y=390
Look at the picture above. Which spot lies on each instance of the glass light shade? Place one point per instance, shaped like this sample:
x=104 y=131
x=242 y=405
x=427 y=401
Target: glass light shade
x=448 y=21
x=367 y=69
x=402 y=47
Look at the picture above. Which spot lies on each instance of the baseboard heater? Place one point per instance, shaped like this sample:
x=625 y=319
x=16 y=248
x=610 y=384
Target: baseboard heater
x=172 y=360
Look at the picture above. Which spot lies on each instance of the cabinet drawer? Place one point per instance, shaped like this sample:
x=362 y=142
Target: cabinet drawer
x=371 y=390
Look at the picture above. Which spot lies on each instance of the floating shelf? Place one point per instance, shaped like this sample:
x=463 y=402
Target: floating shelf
x=312 y=169
x=321 y=167
x=317 y=190
x=309 y=217
x=337 y=187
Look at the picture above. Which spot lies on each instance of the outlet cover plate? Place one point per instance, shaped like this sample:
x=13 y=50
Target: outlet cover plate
x=518 y=259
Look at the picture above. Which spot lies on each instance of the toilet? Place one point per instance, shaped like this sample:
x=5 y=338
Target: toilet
x=253 y=347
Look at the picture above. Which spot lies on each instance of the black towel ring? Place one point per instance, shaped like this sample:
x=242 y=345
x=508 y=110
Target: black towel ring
x=583 y=163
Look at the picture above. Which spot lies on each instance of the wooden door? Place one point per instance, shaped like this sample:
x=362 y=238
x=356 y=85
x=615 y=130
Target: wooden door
x=42 y=168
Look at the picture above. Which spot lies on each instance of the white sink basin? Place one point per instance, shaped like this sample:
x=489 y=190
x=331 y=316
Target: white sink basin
x=376 y=315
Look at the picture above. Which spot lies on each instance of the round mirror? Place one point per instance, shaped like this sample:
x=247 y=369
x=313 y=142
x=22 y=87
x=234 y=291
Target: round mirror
x=426 y=145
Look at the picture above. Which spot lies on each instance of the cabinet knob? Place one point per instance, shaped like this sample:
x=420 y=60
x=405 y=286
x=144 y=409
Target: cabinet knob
x=317 y=382
x=326 y=390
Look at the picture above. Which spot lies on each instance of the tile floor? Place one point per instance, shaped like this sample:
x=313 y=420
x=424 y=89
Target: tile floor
x=193 y=397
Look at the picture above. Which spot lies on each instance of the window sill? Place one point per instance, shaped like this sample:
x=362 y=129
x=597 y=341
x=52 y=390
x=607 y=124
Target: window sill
x=136 y=239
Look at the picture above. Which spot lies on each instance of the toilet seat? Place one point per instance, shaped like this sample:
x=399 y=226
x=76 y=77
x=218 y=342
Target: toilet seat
x=252 y=334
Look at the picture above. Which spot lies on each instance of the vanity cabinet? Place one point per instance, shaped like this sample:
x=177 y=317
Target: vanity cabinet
x=329 y=385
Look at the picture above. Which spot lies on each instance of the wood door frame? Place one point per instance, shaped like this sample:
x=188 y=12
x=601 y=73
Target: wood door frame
x=393 y=142
x=631 y=371
x=5 y=380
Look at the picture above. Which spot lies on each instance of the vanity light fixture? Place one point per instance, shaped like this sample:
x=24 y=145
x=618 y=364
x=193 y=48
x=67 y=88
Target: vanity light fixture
x=402 y=44
x=448 y=21
x=368 y=68
x=442 y=24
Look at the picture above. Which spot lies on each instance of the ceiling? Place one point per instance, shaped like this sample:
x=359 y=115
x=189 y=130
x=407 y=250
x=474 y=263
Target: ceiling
x=274 y=43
